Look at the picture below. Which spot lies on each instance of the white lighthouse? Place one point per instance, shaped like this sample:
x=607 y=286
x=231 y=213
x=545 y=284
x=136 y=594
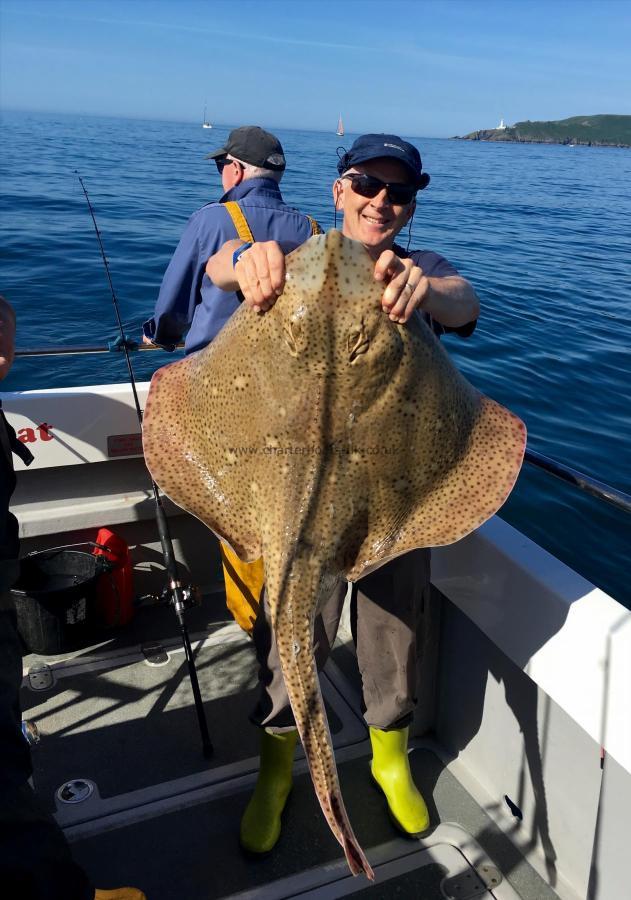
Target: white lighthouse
x=501 y=126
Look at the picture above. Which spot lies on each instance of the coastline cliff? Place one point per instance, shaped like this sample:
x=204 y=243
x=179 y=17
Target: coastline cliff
x=591 y=131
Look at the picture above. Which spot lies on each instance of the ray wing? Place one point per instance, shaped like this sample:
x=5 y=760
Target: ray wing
x=455 y=456
x=199 y=439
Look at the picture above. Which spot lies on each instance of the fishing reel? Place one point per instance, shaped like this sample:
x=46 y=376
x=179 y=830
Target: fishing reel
x=190 y=596
x=187 y=597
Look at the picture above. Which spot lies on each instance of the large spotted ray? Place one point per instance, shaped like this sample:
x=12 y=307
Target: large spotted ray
x=329 y=440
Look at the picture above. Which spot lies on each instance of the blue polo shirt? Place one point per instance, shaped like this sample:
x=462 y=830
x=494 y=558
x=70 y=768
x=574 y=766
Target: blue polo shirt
x=435 y=266
x=188 y=300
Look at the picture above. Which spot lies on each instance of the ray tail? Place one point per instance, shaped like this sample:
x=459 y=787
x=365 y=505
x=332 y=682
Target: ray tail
x=292 y=621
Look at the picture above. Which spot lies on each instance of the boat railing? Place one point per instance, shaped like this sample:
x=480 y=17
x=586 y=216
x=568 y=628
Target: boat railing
x=585 y=483
x=77 y=350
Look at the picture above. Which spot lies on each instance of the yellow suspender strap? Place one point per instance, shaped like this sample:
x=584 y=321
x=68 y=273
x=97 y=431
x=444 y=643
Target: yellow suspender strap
x=240 y=222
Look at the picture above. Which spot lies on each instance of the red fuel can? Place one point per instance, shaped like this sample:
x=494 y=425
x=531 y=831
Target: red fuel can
x=114 y=589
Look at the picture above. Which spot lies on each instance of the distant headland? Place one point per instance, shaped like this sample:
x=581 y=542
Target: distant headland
x=591 y=131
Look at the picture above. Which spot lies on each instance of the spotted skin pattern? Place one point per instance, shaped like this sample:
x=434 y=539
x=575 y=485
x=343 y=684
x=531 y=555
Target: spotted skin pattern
x=329 y=440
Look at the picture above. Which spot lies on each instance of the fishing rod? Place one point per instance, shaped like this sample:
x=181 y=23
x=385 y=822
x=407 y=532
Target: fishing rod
x=181 y=598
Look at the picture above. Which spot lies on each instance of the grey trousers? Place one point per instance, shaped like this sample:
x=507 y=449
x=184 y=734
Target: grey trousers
x=386 y=607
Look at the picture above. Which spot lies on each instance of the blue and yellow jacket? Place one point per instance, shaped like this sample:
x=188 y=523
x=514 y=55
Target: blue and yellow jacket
x=188 y=300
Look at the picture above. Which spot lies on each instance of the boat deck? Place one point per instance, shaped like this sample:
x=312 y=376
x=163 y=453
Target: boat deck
x=165 y=819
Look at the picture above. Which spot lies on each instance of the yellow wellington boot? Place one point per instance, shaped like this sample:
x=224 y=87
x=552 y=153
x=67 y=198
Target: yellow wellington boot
x=125 y=893
x=390 y=768
x=260 y=825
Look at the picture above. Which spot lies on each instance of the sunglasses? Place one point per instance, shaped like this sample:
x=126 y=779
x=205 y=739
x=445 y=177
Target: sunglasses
x=223 y=162
x=368 y=186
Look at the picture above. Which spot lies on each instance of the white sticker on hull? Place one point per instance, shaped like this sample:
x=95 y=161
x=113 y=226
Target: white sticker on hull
x=69 y=426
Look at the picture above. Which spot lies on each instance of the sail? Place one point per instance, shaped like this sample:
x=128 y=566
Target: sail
x=340 y=126
x=206 y=123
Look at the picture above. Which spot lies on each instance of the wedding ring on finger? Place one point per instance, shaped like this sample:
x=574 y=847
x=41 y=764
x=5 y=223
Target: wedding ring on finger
x=408 y=287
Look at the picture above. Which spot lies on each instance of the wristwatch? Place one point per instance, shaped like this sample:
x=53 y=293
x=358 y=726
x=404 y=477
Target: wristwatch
x=237 y=253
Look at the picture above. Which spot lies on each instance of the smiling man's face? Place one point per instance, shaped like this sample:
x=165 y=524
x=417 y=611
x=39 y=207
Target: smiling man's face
x=375 y=222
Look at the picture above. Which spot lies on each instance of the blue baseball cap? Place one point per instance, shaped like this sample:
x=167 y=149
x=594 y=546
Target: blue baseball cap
x=376 y=146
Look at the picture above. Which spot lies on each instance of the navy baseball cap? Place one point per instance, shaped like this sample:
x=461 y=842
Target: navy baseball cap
x=376 y=146
x=253 y=145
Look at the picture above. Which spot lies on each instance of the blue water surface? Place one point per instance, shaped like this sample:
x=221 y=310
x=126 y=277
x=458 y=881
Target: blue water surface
x=543 y=232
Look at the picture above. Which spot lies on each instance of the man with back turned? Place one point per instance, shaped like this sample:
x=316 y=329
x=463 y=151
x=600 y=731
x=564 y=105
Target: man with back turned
x=251 y=164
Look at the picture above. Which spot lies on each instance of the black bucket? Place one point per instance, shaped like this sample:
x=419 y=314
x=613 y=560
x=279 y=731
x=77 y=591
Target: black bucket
x=54 y=598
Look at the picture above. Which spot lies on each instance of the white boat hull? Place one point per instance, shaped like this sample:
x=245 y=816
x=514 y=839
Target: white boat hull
x=532 y=679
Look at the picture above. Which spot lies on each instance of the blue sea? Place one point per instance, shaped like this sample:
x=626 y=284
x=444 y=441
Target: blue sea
x=543 y=232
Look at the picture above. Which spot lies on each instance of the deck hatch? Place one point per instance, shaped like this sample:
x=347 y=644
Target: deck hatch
x=155 y=654
x=471 y=883
x=75 y=791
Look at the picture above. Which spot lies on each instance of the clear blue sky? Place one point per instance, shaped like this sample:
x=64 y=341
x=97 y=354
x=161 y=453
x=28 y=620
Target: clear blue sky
x=422 y=67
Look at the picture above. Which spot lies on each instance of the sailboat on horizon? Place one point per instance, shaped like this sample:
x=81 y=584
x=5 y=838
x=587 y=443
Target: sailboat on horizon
x=340 y=126
x=206 y=123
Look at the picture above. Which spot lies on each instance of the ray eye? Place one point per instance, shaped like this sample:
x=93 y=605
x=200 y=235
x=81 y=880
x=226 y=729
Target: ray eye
x=291 y=333
x=357 y=342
